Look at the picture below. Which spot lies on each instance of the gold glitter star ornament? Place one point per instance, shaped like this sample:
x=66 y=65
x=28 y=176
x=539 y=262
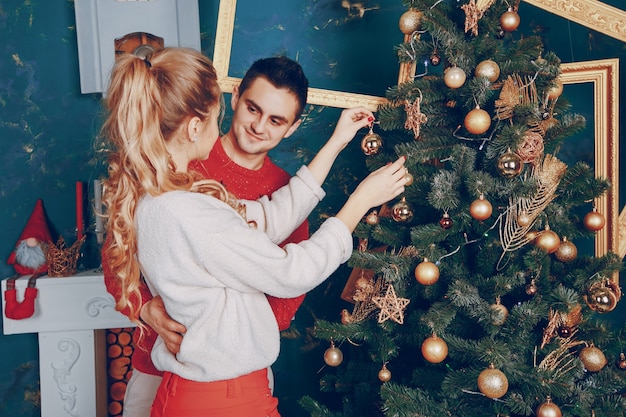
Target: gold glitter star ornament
x=391 y=307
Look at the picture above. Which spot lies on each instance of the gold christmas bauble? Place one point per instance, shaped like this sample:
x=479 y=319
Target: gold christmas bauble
x=548 y=241
x=531 y=288
x=454 y=77
x=480 y=209
x=601 y=298
x=492 y=382
x=371 y=144
x=488 y=69
x=510 y=20
x=477 y=121
x=548 y=409
x=372 y=218
x=410 y=21
x=501 y=313
x=555 y=91
x=566 y=252
x=532 y=236
x=333 y=356
x=621 y=362
x=426 y=273
x=523 y=219
x=409 y=178
x=510 y=164
x=593 y=359
x=384 y=374
x=401 y=211
x=434 y=349
x=594 y=221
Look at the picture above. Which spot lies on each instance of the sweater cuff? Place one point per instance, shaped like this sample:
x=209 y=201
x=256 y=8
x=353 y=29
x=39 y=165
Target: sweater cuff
x=307 y=178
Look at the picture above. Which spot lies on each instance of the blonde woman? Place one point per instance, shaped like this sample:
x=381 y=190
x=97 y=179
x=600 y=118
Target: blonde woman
x=209 y=256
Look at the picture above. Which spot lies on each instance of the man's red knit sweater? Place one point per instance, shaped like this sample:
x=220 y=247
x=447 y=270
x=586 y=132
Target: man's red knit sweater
x=245 y=184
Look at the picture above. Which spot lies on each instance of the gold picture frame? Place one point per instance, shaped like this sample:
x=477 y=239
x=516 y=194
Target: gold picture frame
x=603 y=74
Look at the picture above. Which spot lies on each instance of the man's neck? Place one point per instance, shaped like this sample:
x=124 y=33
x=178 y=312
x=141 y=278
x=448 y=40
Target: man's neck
x=252 y=162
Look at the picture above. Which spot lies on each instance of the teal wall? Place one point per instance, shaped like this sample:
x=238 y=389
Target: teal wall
x=47 y=131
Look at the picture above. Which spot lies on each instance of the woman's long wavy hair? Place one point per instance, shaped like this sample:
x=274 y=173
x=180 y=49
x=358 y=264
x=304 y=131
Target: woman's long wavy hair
x=147 y=103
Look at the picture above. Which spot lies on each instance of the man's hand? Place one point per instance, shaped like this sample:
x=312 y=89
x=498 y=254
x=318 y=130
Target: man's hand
x=154 y=315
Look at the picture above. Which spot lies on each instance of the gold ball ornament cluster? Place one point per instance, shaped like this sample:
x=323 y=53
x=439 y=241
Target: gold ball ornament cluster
x=548 y=241
x=594 y=221
x=510 y=165
x=548 y=409
x=493 y=383
x=333 y=356
x=371 y=143
x=384 y=374
x=477 y=121
x=410 y=21
x=480 y=209
x=510 y=20
x=593 y=359
x=567 y=251
x=488 y=69
x=454 y=77
x=426 y=273
x=434 y=349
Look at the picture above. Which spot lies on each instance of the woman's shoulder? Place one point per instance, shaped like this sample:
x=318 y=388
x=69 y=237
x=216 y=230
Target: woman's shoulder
x=181 y=202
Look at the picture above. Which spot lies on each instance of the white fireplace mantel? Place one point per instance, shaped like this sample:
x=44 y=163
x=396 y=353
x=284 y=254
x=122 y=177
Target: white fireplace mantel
x=68 y=313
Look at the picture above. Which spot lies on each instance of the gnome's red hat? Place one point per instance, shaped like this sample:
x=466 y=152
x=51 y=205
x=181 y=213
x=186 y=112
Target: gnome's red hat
x=36 y=231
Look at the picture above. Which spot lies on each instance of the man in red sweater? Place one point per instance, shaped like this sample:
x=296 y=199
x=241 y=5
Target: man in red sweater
x=267 y=107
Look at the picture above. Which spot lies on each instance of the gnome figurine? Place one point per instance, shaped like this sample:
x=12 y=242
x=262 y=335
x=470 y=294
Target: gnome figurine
x=28 y=258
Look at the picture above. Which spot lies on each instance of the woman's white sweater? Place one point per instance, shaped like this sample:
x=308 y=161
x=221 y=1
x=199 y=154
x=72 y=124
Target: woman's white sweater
x=213 y=271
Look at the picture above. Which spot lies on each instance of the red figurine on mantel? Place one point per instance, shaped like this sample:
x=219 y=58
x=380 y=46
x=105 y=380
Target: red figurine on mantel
x=28 y=258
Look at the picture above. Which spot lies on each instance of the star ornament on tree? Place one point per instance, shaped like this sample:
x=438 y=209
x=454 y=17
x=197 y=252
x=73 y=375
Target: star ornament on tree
x=391 y=307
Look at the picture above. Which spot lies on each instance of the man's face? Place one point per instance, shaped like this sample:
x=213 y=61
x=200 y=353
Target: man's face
x=263 y=116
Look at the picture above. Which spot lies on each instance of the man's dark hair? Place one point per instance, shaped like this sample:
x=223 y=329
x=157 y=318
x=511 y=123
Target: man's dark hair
x=281 y=72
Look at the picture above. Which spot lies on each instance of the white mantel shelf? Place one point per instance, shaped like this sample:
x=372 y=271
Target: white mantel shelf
x=68 y=313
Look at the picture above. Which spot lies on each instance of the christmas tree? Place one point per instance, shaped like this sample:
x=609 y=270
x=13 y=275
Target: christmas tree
x=469 y=296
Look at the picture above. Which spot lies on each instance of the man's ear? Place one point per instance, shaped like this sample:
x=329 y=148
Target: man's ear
x=234 y=97
x=293 y=128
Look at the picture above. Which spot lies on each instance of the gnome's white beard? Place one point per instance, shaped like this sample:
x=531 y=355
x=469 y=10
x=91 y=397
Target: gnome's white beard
x=30 y=256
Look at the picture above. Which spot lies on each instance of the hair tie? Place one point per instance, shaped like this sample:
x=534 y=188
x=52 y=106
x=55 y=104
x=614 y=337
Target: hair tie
x=148 y=63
